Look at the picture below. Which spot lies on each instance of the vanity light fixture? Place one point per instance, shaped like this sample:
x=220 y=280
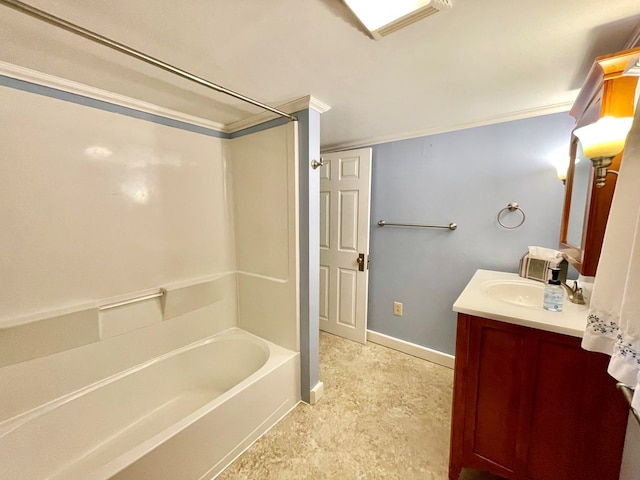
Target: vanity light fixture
x=562 y=165
x=383 y=17
x=603 y=140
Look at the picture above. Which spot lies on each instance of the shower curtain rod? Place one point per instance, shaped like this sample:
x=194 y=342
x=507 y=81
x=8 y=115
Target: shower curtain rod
x=88 y=34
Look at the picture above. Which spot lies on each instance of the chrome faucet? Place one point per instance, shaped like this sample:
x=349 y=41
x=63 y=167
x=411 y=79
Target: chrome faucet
x=574 y=294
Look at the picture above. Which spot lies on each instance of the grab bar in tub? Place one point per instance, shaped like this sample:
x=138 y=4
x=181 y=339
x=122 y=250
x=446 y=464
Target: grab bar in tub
x=108 y=306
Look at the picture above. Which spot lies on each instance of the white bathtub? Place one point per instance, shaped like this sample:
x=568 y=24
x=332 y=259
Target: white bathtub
x=184 y=415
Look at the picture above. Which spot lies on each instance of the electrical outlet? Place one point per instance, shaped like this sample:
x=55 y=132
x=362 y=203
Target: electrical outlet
x=397 y=309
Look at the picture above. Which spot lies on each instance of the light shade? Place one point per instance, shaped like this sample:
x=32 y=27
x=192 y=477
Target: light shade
x=604 y=138
x=562 y=165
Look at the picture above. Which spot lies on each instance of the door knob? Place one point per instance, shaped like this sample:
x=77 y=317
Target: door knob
x=360 y=261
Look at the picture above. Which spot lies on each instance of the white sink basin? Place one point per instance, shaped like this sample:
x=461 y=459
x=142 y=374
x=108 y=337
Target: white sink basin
x=516 y=292
x=507 y=297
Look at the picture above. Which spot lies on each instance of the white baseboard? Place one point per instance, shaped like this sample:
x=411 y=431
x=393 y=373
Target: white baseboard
x=316 y=393
x=409 y=348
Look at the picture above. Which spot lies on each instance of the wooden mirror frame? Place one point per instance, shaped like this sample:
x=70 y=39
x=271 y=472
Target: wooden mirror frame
x=605 y=92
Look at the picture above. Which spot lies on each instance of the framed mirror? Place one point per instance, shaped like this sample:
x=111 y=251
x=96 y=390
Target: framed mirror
x=607 y=91
x=579 y=185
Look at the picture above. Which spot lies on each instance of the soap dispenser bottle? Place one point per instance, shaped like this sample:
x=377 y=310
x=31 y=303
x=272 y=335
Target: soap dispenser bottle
x=553 y=292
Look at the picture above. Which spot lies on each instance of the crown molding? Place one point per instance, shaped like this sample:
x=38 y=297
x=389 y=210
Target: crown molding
x=58 y=83
x=46 y=80
x=507 y=117
x=302 y=103
x=318 y=105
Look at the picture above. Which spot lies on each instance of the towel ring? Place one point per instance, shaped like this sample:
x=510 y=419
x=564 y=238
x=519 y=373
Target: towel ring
x=512 y=207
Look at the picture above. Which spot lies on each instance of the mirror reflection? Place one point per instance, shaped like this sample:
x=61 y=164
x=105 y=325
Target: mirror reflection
x=579 y=192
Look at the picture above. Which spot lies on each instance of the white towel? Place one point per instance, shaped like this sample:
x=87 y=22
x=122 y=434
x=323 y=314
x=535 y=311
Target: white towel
x=547 y=254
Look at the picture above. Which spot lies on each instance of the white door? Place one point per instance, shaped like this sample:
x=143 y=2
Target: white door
x=345 y=187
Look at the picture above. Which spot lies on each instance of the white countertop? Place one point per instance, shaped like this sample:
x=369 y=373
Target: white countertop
x=474 y=301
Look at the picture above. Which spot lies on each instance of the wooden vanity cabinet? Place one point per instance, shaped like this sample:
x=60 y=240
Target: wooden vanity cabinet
x=605 y=92
x=530 y=404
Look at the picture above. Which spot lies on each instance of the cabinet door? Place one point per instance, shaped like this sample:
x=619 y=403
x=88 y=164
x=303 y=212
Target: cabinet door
x=555 y=437
x=577 y=418
x=496 y=382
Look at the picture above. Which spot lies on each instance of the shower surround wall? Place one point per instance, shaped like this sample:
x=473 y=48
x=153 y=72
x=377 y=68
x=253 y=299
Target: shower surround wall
x=264 y=172
x=102 y=204
x=99 y=205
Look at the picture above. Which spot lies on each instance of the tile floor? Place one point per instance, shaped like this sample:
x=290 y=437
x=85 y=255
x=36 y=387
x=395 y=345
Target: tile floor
x=384 y=415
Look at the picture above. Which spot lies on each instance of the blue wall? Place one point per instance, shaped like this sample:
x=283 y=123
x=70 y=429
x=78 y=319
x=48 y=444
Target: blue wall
x=464 y=177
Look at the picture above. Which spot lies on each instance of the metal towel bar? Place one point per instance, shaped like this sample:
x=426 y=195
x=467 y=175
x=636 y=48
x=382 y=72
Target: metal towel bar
x=383 y=223
x=108 y=306
x=627 y=392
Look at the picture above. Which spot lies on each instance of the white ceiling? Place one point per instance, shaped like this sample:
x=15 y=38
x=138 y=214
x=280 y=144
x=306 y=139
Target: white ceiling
x=480 y=62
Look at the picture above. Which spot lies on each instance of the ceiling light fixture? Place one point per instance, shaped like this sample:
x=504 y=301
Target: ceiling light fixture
x=383 y=17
